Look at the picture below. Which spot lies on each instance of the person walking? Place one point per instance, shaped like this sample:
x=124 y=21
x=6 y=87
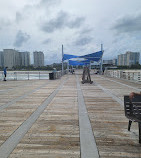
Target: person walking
x=5 y=73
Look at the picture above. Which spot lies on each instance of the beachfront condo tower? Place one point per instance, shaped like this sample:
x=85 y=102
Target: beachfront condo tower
x=38 y=59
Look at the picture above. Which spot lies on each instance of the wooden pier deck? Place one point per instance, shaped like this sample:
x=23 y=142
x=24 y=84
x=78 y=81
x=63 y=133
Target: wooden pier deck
x=66 y=119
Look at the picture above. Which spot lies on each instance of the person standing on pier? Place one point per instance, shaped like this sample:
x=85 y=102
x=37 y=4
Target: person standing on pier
x=5 y=73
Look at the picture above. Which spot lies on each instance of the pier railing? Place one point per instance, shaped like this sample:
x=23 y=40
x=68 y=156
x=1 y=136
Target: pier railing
x=25 y=75
x=132 y=75
x=31 y=75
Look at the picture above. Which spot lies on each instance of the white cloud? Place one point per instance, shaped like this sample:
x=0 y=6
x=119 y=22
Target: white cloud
x=80 y=25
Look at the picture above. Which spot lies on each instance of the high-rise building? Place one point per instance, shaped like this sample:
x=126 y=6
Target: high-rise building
x=38 y=58
x=119 y=60
x=24 y=58
x=1 y=59
x=132 y=58
x=122 y=58
x=11 y=58
x=128 y=59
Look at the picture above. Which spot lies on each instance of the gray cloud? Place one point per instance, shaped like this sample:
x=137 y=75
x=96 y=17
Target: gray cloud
x=82 y=41
x=63 y=20
x=46 y=41
x=54 y=24
x=86 y=31
x=76 y=23
x=128 y=24
x=21 y=38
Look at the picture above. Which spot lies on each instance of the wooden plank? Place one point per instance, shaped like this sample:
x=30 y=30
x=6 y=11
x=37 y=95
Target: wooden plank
x=87 y=140
x=8 y=146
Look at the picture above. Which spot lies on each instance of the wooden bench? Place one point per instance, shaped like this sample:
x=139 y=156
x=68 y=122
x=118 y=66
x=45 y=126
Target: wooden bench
x=133 y=111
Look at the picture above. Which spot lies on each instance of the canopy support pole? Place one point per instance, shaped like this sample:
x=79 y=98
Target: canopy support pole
x=101 y=68
x=68 y=65
x=62 y=61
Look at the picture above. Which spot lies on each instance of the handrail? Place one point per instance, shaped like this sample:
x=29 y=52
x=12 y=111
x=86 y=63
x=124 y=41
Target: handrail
x=25 y=75
x=132 y=75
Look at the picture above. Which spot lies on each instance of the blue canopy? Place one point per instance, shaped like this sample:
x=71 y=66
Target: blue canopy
x=91 y=57
x=68 y=56
x=81 y=63
x=75 y=63
x=87 y=62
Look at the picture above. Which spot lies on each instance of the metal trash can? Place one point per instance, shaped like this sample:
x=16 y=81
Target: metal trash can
x=51 y=76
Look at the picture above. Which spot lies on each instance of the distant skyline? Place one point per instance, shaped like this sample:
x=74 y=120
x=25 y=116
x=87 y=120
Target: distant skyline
x=80 y=25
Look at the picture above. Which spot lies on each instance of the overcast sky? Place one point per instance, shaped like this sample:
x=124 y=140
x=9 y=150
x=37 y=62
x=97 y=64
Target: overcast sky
x=80 y=25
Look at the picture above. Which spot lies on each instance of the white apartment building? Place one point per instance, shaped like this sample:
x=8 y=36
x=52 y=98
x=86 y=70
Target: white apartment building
x=25 y=58
x=119 y=60
x=128 y=59
x=38 y=58
x=12 y=57
x=132 y=58
x=122 y=59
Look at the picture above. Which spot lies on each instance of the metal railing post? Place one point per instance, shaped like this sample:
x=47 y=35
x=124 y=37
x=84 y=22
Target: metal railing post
x=28 y=75
x=15 y=75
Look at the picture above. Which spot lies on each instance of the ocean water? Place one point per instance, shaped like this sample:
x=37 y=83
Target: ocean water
x=25 y=75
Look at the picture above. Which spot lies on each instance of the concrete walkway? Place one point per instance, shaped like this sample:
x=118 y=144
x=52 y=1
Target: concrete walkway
x=66 y=119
